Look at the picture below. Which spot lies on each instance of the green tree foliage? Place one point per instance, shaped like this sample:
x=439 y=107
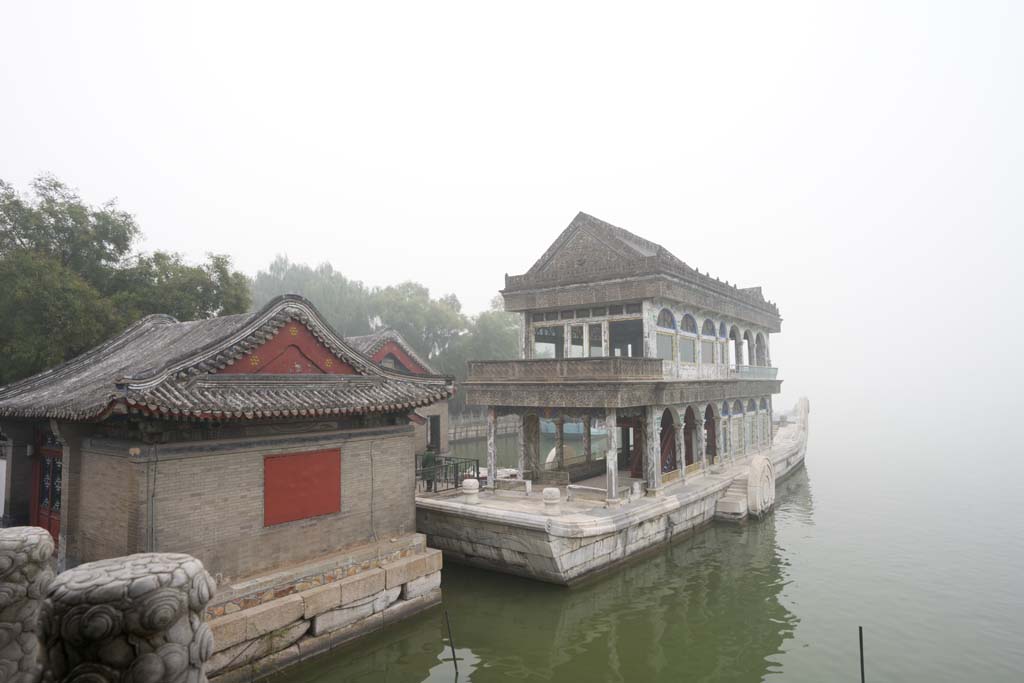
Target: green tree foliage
x=70 y=279
x=436 y=328
x=345 y=303
x=428 y=324
x=491 y=335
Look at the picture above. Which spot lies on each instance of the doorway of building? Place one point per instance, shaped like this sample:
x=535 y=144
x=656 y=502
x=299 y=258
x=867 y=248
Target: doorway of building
x=47 y=470
x=668 y=443
x=711 y=447
x=689 y=432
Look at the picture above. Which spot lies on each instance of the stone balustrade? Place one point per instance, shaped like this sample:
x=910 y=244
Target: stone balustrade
x=138 y=618
x=601 y=369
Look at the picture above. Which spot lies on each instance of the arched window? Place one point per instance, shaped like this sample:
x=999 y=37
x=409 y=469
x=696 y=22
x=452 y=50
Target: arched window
x=707 y=342
x=725 y=409
x=751 y=406
x=722 y=331
x=666 y=319
x=689 y=324
x=737 y=408
x=760 y=356
x=764 y=404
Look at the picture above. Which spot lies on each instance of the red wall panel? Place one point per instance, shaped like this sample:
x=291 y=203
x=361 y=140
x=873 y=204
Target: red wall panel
x=399 y=353
x=293 y=350
x=301 y=485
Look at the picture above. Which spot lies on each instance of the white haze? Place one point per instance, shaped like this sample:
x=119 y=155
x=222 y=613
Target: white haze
x=863 y=162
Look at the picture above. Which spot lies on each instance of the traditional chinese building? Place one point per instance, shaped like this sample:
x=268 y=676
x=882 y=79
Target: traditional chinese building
x=263 y=444
x=674 y=364
x=662 y=378
x=388 y=349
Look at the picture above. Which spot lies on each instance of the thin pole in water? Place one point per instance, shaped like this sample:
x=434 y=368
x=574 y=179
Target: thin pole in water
x=860 y=631
x=451 y=642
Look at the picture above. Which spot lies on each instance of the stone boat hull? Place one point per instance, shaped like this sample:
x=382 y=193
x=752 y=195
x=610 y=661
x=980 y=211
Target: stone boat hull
x=510 y=533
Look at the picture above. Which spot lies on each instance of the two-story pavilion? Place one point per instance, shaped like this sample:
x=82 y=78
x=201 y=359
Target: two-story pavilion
x=622 y=338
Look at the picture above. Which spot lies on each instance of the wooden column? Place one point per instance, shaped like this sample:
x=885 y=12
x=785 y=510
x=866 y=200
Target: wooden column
x=612 y=458
x=560 y=443
x=586 y=438
x=492 y=449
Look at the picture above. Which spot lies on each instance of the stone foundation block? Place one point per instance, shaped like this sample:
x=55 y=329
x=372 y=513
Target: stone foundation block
x=409 y=568
x=318 y=600
x=314 y=645
x=406 y=608
x=275 y=662
x=242 y=674
x=374 y=622
x=339 y=618
x=228 y=630
x=275 y=614
x=385 y=598
x=251 y=650
x=421 y=586
x=362 y=585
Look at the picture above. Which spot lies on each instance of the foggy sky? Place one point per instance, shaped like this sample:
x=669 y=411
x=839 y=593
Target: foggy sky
x=862 y=162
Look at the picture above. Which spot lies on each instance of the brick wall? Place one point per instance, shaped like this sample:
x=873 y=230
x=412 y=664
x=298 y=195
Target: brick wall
x=107 y=512
x=208 y=499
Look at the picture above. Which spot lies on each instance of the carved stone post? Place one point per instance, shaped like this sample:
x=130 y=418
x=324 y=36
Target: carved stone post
x=531 y=439
x=612 y=458
x=586 y=438
x=700 y=438
x=681 y=446
x=25 y=577
x=560 y=443
x=492 y=448
x=652 y=449
x=136 y=618
x=521 y=444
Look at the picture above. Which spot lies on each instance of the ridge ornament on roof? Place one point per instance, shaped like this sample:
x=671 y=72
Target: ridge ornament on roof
x=282 y=361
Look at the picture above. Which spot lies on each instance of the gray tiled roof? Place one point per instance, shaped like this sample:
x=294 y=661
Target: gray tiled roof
x=166 y=368
x=612 y=253
x=368 y=344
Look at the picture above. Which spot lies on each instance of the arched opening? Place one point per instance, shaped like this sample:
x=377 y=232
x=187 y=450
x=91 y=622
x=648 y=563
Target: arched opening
x=759 y=350
x=707 y=342
x=736 y=347
x=666 y=319
x=668 y=442
x=711 y=440
x=748 y=343
x=689 y=435
x=722 y=332
x=688 y=324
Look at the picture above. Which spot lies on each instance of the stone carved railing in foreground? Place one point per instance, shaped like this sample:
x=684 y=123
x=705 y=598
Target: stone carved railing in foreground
x=135 y=619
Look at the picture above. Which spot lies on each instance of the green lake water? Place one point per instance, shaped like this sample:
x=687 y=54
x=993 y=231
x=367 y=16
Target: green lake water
x=904 y=536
